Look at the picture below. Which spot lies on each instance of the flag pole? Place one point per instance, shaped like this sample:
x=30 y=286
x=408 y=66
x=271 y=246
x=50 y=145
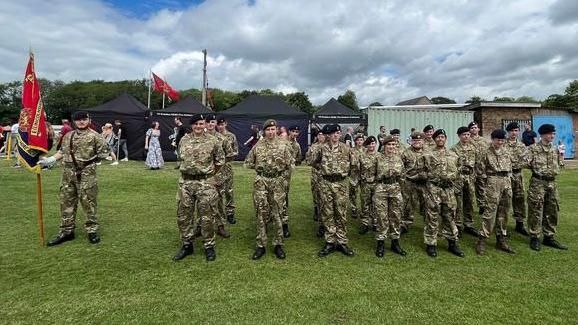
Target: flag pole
x=150 y=84
x=8 y=149
x=163 y=99
x=40 y=211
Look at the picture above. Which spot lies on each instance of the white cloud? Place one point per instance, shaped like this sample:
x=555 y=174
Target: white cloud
x=385 y=51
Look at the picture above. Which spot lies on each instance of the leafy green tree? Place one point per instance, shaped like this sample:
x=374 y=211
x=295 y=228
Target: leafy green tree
x=300 y=100
x=505 y=99
x=442 y=100
x=349 y=99
x=376 y=104
x=526 y=99
x=475 y=99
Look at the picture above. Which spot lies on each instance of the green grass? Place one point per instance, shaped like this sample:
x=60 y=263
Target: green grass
x=129 y=278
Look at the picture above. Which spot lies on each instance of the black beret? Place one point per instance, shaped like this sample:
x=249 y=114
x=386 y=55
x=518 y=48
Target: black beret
x=417 y=136
x=197 y=117
x=394 y=131
x=221 y=119
x=324 y=129
x=472 y=124
x=269 y=123
x=389 y=139
x=332 y=128
x=294 y=128
x=546 y=128
x=369 y=140
x=210 y=117
x=428 y=127
x=463 y=129
x=512 y=125
x=498 y=134
x=80 y=115
x=438 y=132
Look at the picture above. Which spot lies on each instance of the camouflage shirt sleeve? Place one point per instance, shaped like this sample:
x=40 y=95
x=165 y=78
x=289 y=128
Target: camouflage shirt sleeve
x=218 y=154
x=250 y=159
x=101 y=148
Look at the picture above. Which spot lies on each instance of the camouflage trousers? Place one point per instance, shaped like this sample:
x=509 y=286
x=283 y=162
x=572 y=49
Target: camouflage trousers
x=543 y=208
x=518 y=199
x=480 y=192
x=219 y=179
x=388 y=210
x=202 y=196
x=268 y=199
x=465 y=195
x=334 y=210
x=287 y=185
x=413 y=197
x=71 y=192
x=439 y=214
x=315 y=190
x=354 y=188
x=498 y=199
x=368 y=202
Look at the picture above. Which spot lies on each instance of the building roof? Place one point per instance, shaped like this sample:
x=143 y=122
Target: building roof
x=423 y=100
x=334 y=107
x=257 y=105
x=187 y=105
x=124 y=104
x=503 y=104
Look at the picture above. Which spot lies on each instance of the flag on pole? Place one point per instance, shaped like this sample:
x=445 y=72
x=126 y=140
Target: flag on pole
x=32 y=134
x=163 y=87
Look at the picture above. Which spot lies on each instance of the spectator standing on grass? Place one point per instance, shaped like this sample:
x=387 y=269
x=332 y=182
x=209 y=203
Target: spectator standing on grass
x=254 y=138
x=154 y=159
x=14 y=140
x=122 y=135
x=529 y=136
x=81 y=150
x=111 y=140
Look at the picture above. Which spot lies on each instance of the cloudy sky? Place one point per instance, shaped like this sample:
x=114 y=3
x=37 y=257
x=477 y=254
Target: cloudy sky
x=385 y=51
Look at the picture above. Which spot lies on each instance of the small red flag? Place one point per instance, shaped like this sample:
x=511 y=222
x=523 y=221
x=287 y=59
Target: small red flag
x=32 y=132
x=162 y=86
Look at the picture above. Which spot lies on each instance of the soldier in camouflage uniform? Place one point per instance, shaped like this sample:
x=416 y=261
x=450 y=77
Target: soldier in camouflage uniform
x=543 y=199
x=296 y=154
x=271 y=157
x=221 y=175
x=428 y=141
x=465 y=184
x=414 y=185
x=354 y=179
x=442 y=173
x=367 y=178
x=481 y=144
x=202 y=156
x=315 y=179
x=396 y=134
x=335 y=161
x=227 y=170
x=387 y=198
x=80 y=151
x=518 y=153
x=494 y=165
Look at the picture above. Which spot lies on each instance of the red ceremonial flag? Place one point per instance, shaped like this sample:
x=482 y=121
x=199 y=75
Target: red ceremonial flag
x=162 y=86
x=32 y=132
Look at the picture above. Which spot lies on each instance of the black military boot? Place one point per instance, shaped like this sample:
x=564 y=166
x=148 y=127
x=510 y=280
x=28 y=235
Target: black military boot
x=363 y=229
x=343 y=248
x=520 y=229
x=286 y=232
x=231 y=219
x=221 y=231
x=60 y=238
x=551 y=242
x=502 y=245
x=259 y=252
x=535 y=243
x=380 y=249
x=454 y=248
x=396 y=247
x=471 y=231
x=431 y=250
x=93 y=238
x=186 y=250
x=210 y=253
x=328 y=249
x=320 y=231
x=279 y=252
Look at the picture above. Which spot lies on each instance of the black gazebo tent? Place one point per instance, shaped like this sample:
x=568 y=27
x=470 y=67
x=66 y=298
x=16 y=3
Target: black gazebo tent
x=335 y=112
x=184 y=109
x=255 y=110
x=133 y=115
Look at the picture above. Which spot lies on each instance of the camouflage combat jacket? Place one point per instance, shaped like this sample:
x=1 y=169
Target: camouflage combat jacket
x=336 y=160
x=544 y=159
x=466 y=153
x=270 y=157
x=494 y=162
x=87 y=146
x=414 y=164
x=442 y=167
x=368 y=167
x=200 y=154
x=518 y=153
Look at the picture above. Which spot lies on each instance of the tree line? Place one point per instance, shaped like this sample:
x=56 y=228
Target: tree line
x=61 y=99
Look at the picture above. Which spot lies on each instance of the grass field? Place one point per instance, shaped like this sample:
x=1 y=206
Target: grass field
x=129 y=278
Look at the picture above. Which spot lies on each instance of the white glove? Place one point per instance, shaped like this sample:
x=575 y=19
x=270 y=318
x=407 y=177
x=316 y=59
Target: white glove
x=47 y=161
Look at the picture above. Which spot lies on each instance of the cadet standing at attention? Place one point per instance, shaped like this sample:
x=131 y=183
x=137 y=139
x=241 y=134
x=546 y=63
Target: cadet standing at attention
x=81 y=149
x=336 y=161
x=354 y=179
x=271 y=157
x=296 y=154
x=388 y=199
x=481 y=144
x=518 y=153
x=414 y=185
x=227 y=170
x=202 y=156
x=442 y=173
x=543 y=200
x=494 y=165
x=466 y=182
x=367 y=178
x=315 y=179
x=428 y=141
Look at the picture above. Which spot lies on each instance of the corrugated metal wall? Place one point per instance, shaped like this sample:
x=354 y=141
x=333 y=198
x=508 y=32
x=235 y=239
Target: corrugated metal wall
x=405 y=119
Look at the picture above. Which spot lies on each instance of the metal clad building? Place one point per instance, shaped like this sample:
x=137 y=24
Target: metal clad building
x=446 y=116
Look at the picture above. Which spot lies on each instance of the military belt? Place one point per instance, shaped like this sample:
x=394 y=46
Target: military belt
x=333 y=178
x=417 y=181
x=198 y=177
x=544 y=178
x=516 y=170
x=467 y=170
x=269 y=174
x=500 y=174
x=389 y=180
x=442 y=184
